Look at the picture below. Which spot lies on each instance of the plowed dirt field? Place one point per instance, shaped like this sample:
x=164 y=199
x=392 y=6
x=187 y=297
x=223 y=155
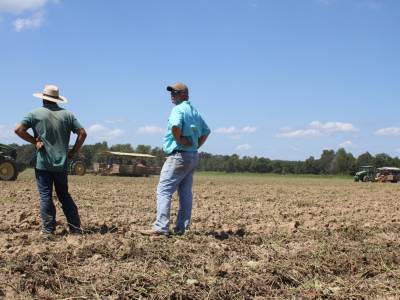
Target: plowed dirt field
x=252 y=237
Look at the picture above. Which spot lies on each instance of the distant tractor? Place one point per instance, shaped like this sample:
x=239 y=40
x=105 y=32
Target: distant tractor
x=125 y=164
x=366 y=173
x=8 y=164
x=76 y=166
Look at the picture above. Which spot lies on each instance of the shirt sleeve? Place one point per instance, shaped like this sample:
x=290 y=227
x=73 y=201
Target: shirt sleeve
x=176 y=118
x=75 y=125
x=28 y=121
x=205 y=130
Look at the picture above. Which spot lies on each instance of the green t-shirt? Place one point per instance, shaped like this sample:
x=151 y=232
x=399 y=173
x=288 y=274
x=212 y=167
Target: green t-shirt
x=53 y=125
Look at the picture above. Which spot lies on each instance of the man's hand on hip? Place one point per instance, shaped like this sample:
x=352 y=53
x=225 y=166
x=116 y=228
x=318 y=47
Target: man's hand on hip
x=39 y=144
x=71 y=154
x=185 y=142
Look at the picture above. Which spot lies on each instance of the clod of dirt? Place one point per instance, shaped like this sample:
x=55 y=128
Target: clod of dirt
x=224 y=270
x=253 y=264
x=296 y=224
x=73 y=240
x=192 y=282
x=22 y=216
x=96 y=257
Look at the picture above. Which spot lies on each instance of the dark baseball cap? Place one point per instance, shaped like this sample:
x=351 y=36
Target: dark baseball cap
x=178 y=87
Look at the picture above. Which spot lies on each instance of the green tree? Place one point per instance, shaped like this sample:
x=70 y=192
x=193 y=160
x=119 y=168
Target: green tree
x=382 y=160
x=92 y=153
x=343 y=162
x=311 y=166
x=326 y=161
x=365 y=159
x=144 y=149
x=127 y=148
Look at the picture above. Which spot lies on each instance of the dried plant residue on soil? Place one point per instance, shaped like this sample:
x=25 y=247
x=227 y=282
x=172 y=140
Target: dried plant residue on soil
x=257 y=237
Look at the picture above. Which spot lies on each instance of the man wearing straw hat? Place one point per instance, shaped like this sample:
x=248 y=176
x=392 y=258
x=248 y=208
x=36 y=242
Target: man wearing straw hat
x=186 y=133
x=52 y=127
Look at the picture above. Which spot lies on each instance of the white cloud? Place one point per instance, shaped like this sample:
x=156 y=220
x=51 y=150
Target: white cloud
x=388 y=131
x=333 y=126
x=299 y=133
x=101 y=132
x=151 y=130
x=35 y=7
x=19 y=6
x=317 y=128
x=346 y=144
x=248 y=129
x=235 y=137
x=236 y=131
x=224 y=130
x=243 y=147
x=32 y=22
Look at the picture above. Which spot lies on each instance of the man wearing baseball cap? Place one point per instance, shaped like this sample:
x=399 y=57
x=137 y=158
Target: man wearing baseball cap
x=52 y=127
x=186 y=133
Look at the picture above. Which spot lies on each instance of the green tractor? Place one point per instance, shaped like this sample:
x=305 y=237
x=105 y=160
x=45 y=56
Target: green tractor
x=366 y=173
x=8 y=164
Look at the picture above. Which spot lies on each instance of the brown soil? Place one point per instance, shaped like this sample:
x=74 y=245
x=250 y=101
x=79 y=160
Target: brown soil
x=257 y=237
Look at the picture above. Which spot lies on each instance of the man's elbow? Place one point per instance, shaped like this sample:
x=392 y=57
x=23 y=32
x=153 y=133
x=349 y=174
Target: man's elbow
x=18 y=129
x=82 y=133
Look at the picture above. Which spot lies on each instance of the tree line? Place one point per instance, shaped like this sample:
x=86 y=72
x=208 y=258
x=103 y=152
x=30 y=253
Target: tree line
x=330 y=162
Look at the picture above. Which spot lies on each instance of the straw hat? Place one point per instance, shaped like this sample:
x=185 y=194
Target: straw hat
x=51 y=93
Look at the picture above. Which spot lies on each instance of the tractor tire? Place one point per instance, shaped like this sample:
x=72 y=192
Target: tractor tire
x=365 y=179
x=8 y=169
x=78 y=168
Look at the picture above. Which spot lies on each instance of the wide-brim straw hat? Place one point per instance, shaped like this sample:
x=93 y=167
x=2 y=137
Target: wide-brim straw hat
x=51 y=93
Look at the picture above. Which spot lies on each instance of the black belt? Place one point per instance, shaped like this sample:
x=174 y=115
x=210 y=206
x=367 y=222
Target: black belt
x=177 y=151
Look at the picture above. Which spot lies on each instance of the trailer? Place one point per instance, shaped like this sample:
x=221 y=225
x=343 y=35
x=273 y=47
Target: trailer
x=113 y=163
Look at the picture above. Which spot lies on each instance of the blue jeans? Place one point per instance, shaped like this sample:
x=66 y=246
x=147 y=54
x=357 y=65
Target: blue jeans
x=176 y=174
x=45 y=181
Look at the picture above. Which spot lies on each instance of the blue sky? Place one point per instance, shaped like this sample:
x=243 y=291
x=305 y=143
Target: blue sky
x=281 y=79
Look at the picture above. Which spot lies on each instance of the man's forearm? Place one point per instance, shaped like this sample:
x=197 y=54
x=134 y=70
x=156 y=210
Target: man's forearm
x=176 y=132
x=79 y=140
x=202 y=140
x=181 y=140
x=21 y=131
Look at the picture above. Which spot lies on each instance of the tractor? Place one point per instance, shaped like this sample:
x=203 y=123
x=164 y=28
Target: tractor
x=366 y=173
x=76 y=166
x=8 y=164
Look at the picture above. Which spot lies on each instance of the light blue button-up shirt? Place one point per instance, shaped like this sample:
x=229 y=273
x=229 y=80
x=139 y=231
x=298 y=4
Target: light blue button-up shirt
x=192 y=125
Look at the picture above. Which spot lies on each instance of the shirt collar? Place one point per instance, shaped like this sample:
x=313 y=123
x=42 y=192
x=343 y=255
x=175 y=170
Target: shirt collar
x=50 y=105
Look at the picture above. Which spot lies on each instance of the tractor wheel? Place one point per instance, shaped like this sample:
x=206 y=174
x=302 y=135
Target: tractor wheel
x=365 y=179
x=78 y=168
x=8 y=169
